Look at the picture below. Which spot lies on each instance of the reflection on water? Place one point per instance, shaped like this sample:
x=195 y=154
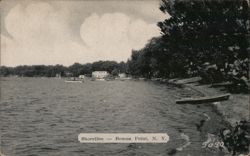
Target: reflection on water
x=42 y=116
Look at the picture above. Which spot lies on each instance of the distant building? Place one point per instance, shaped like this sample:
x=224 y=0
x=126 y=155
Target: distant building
x=81 y=76
x=122 y=75
x=100 y=74
x=58 y=75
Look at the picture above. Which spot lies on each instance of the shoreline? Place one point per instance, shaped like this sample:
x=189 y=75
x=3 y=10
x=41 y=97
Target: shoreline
x=233 y=113
x=233 y=110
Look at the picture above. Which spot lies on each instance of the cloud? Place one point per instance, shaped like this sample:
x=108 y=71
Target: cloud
x=42 y=34
x=113 y=36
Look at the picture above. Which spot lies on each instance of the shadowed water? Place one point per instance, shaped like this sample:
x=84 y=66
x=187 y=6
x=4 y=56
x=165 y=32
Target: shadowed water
x=43 y=116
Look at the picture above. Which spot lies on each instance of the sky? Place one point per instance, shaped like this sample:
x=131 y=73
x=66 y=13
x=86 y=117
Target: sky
x=50 y=32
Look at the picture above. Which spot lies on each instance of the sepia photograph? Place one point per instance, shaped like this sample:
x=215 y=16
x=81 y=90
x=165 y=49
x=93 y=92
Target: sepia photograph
x=124 y=78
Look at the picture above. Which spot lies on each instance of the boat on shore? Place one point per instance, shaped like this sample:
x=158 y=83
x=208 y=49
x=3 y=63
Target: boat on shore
x=203 y=99
x=223 y=84
x=189 y=80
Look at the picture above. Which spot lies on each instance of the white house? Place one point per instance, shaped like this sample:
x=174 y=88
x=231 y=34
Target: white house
x=100 y=74
x=122 y=75
x=81 y=76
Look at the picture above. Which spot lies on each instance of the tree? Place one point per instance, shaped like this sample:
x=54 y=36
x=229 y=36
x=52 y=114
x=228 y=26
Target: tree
x=5 y=71
x=206 y=31
x=115 y=72
x=134 y=64
x=76 y=69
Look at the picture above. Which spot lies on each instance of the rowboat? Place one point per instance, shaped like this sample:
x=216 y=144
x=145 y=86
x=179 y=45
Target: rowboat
x=100 y=79
x=189 y=80
x=73 y=81
x=223 y=84
x=203 y=99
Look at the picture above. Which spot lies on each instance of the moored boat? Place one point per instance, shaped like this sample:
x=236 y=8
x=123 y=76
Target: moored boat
x=74 y=81
x=203 y=99
x=100 y=79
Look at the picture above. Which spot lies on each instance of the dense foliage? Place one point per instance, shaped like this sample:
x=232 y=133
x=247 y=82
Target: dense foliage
x=204 y=35
x=236 y=139
x=74 y=70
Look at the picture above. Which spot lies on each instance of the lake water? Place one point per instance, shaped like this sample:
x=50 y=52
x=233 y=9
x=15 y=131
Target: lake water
x=43 y=116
